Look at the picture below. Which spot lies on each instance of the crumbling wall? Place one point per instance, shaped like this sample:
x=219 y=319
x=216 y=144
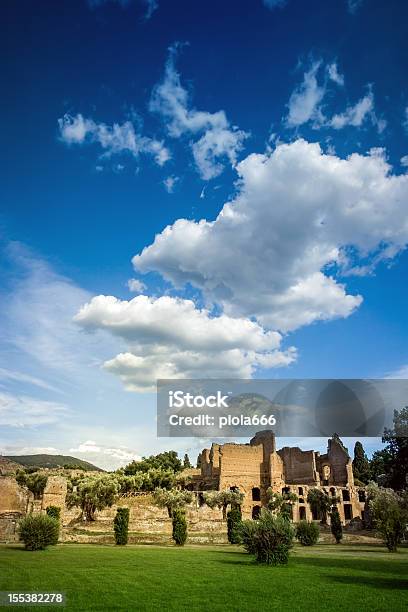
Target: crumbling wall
x=299 y=466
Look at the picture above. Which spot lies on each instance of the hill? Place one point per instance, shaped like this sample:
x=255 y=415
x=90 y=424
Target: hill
x=52 y=461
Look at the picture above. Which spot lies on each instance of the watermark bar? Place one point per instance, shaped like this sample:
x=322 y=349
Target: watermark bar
x=290 y=407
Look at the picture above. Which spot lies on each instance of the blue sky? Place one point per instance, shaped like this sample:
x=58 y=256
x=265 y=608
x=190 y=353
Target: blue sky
x=124 y=118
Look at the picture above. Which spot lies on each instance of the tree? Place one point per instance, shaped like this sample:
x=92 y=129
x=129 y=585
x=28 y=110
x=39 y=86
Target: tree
x=234 y=519
x=186 y=462
x=270 y=538
x=380 y=466
x=335 y=524
x=175 y=501
x=320 y=503
x=281 y=504
x=163 y=461
x=389 y=511
x=397 y=446
x=92 y=494
x=223 y=499
x=361 y=465
x=172 y=499
x=35 y=482
x=121 y=526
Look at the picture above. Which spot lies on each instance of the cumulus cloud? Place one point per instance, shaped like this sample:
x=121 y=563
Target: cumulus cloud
x=219 y=140
x=135 y=285
x=404 y=161
x=95 y=451
x=168 y=337
x=273 y=251
x=26 y=411
x=115 y=139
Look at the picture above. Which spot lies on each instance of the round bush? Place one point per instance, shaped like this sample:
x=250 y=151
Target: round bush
x=121 y=526
x=307 y=533
x=38 y=531
x=179 y=527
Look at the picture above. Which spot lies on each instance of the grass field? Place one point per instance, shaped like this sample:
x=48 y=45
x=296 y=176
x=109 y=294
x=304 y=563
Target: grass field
x=324 y=577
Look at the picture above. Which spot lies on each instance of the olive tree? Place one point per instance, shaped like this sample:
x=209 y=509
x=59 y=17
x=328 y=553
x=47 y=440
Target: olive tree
x=223 y=499
x=92 y=494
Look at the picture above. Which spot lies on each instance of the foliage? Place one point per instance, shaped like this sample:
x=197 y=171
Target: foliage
x=179 y=533
x=167 y=461
x=38 y=531
x=186 y=462
x=280 y=504
x=320 y=503
x=389 y=512
x=272 y=538
x=173 y=499
x=234 y=518
x=53 y=512
x=361 y=465
x=335 y=525
x=307 y=533
x=247 y=530
x=35 y=482
x=397 y=447
x=121 y=526
x=223 y=499
x=380 y=466
x=92 y=494
x=146 y=481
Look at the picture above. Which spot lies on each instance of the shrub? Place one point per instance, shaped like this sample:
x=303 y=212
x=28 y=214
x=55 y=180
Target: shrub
x=335 y=525
x=53 y=512
x=307 y=533
x=246 y=534
x=179 y=526
x=234 y=518
x=272 y=539
x=38 y=531
x=121 y=526
x=390 y=514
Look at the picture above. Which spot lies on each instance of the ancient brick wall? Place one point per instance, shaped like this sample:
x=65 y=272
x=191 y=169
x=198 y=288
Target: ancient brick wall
x=299 y=466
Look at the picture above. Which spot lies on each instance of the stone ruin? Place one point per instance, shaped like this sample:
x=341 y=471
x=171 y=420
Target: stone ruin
x=251 y=468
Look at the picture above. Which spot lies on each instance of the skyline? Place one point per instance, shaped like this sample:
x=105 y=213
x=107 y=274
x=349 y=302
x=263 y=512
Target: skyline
x=196 y=192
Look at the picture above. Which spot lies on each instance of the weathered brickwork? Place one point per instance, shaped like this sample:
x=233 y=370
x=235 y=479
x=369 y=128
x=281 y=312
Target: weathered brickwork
x=254 y=467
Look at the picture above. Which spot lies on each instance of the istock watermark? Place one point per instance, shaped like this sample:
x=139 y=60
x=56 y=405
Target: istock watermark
x=290 y=407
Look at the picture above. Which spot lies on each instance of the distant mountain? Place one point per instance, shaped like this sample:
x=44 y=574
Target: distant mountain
x=52 y=461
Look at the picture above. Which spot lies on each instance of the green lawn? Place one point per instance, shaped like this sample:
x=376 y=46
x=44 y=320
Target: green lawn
x=324 y=577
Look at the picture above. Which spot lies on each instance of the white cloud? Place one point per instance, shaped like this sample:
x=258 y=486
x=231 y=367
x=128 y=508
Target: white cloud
x=169 y=337
x=298 y=211
x=169 y=183
x=115 y=139
x=334 y=75
x=306 y=98
x=96 y=452
x=26 y=411
x=356 y=115
x=306 y=103
x=401 y=372
x=21 y=377
x=272 y=4
x=404 y=161
x=219 y=139
x=135 y=285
